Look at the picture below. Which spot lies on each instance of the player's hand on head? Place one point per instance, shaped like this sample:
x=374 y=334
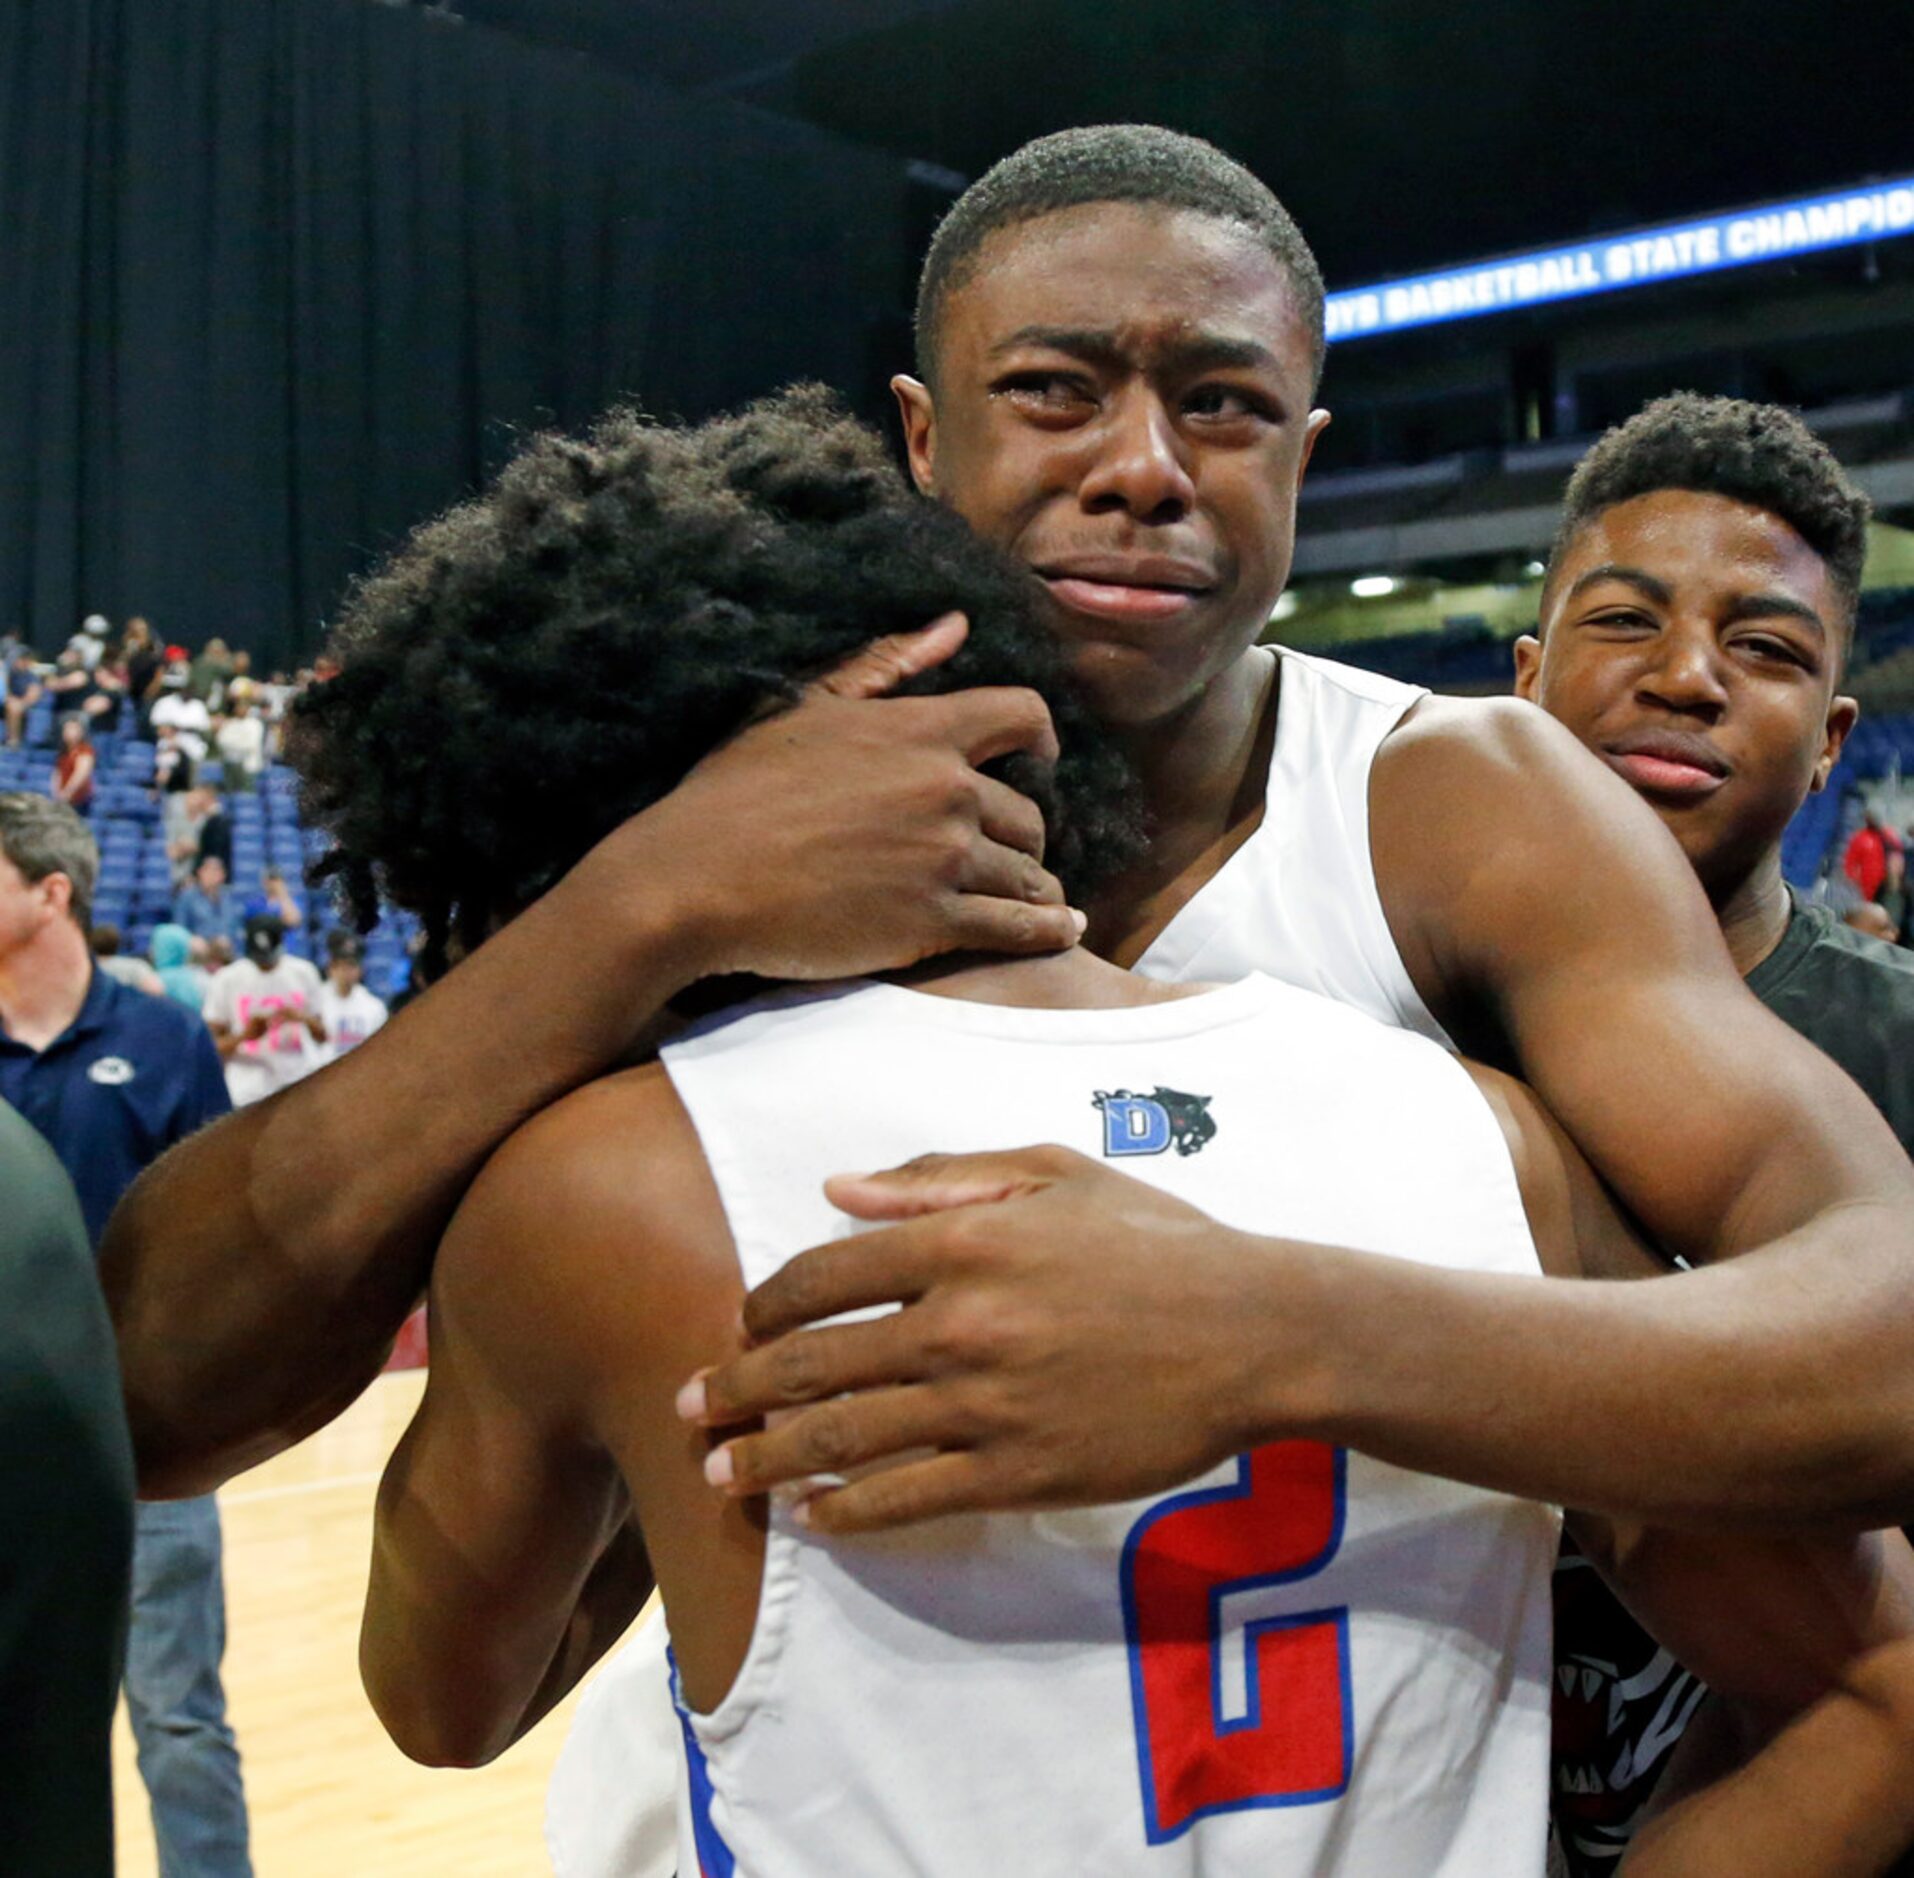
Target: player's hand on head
x=1068 y=1336
x=855 y=832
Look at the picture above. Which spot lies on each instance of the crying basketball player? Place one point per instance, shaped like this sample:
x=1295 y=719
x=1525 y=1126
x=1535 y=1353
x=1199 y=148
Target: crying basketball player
x=1307 y=1662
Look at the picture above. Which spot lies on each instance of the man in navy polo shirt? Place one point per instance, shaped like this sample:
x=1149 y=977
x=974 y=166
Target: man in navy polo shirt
x=112 y=1078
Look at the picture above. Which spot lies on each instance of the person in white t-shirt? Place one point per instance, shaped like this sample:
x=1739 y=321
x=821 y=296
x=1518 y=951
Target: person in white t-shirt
x=351 y=1013
x=188 y=716
x=241 y=742
x=263 y=1011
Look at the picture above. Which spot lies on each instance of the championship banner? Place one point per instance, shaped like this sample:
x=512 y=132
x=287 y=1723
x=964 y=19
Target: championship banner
x=1669 y=251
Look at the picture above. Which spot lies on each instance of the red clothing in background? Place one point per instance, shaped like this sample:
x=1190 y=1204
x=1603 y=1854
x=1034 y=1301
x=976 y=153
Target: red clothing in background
x=63 y=771
x=1865 y=862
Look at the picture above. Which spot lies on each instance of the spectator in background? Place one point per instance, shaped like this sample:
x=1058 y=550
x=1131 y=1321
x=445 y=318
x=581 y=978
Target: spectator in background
x=1865 y=862
x=214 y=828
x=70 y=683
x=197 y=828
x=23 y=691
x=104 y=704
x=209 y=908
x=241 y=741
x=176 y=706
x=263 y=1011
x=128 y=967
x=89 y=643
x=351 y=1012
x=187 y=815
x=275 y=897
x=111 y=1080
x=74 y=768
x=275 y=700
x=207 y=676
x=181 y=812
x=92 y=687
x=171 y=950
x=172 y=764
x=143 y=660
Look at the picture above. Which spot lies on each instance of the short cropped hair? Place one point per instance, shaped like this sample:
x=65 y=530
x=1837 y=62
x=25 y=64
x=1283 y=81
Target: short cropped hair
x=1759 y=454
x=549 y=659
x=1140 y=163
x=40 y=837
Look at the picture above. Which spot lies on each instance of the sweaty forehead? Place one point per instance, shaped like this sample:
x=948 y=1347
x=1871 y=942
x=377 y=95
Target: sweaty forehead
x=1148 y=275
x=1688 y=539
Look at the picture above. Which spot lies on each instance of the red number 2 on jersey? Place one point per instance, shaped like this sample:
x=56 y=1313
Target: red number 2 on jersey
x=1280 y=1520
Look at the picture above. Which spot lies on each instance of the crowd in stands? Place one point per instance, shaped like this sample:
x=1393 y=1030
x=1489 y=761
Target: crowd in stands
x=173 y=758
x=196 y=706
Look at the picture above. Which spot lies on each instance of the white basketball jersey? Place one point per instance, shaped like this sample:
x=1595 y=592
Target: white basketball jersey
x=1306 y=1662
x=1298 y=899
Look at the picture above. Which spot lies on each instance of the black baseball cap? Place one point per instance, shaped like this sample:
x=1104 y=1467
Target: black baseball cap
x=265 y=934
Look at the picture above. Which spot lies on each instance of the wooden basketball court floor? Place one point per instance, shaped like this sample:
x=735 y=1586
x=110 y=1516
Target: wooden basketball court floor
x=330 y=1797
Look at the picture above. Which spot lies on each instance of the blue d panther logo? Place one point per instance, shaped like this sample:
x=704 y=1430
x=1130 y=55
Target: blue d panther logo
x=1149 y=1124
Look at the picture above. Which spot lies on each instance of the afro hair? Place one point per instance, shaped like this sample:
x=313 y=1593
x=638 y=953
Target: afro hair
x=542 y=662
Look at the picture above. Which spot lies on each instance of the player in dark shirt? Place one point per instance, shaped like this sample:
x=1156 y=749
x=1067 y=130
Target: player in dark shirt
x=1854 y=996
x=1695 y=627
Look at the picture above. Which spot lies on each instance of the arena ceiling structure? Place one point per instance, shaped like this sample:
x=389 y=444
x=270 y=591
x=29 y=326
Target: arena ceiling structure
x=1400 y=134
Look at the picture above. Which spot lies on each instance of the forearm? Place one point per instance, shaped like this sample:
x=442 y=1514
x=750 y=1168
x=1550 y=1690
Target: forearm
x=1778 y=1388
x=259 y=1272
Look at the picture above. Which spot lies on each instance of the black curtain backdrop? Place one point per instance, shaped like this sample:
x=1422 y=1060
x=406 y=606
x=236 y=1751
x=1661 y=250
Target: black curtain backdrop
x=282 y=277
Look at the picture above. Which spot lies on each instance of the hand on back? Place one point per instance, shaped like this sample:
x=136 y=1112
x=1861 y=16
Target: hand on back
x=989 y=1253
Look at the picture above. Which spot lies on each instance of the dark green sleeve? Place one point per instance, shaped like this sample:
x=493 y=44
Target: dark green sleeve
x=66 y=1482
